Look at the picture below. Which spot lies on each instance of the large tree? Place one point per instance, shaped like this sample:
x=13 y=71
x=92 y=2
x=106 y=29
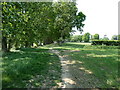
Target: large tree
x=66 y=19
x=13 y=19
x=25 y=23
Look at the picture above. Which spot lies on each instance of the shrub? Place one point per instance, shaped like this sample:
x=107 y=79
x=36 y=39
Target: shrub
x=100 y=47
x=106 y=42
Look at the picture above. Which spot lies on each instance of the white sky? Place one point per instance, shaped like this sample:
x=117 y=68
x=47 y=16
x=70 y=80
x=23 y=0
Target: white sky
x=101 y=16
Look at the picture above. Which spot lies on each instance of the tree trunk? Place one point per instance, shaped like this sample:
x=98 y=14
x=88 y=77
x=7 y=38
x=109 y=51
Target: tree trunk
x=26 y=44
x=60 y=42
x=4 y=44
x=9 y=45
x=17 y=45
x=48 y=40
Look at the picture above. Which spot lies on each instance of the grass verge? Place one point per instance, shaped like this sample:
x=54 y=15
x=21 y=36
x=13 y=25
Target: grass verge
x=30 y=68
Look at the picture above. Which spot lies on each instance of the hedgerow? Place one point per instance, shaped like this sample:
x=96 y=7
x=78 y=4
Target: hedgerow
x=106 y=42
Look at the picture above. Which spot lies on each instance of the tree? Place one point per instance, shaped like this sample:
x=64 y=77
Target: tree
x=80 y=38
x=65 y=14
x=96 y=37
x=25 y=23
x=66 y=19
x=79 y=21
x=13 y=17
x=86 y=37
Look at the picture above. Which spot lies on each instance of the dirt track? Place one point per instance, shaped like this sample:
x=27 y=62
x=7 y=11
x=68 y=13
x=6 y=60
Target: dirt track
x=73 y=74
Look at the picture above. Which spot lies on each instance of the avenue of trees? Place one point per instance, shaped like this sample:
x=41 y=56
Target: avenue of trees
x=87 y=37
x=28 y=23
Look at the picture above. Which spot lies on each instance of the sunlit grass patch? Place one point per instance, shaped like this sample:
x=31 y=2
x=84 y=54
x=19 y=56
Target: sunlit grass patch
x=104 y=67
x=76 y=43
x=100 y=61
x=94 y=55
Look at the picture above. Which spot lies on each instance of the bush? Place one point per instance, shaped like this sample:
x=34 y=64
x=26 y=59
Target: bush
x=106 y=42
x=100 y=47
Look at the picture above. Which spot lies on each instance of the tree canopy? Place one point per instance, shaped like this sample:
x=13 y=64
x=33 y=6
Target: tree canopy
x=86 y=37
x=25 y=23
x=96 y=37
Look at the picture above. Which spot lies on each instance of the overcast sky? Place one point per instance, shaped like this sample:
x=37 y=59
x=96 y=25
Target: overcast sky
x=101 y=16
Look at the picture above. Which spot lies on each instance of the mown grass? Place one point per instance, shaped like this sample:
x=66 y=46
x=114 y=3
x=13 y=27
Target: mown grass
x=78 y=46
x=30 y=68
x=102 y=61
x=38 y=68
x=102 y=64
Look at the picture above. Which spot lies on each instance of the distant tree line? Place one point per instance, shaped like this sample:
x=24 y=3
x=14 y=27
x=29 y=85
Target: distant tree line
x=87 y=37
x=83 y=38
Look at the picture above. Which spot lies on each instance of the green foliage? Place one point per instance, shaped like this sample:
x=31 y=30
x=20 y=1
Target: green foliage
x=106 y=42
x=67 y=18
x=101 y=47
x=79 y=19
x=76 y=38
x=114 y=37
x=86 y=37
x=96 y=37
x=80 y=38
x=45 y=22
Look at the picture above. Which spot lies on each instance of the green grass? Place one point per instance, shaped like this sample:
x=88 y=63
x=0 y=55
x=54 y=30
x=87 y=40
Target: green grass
x=38 y=67
x=103 y=64
x=102 y=61
x=30 y=68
